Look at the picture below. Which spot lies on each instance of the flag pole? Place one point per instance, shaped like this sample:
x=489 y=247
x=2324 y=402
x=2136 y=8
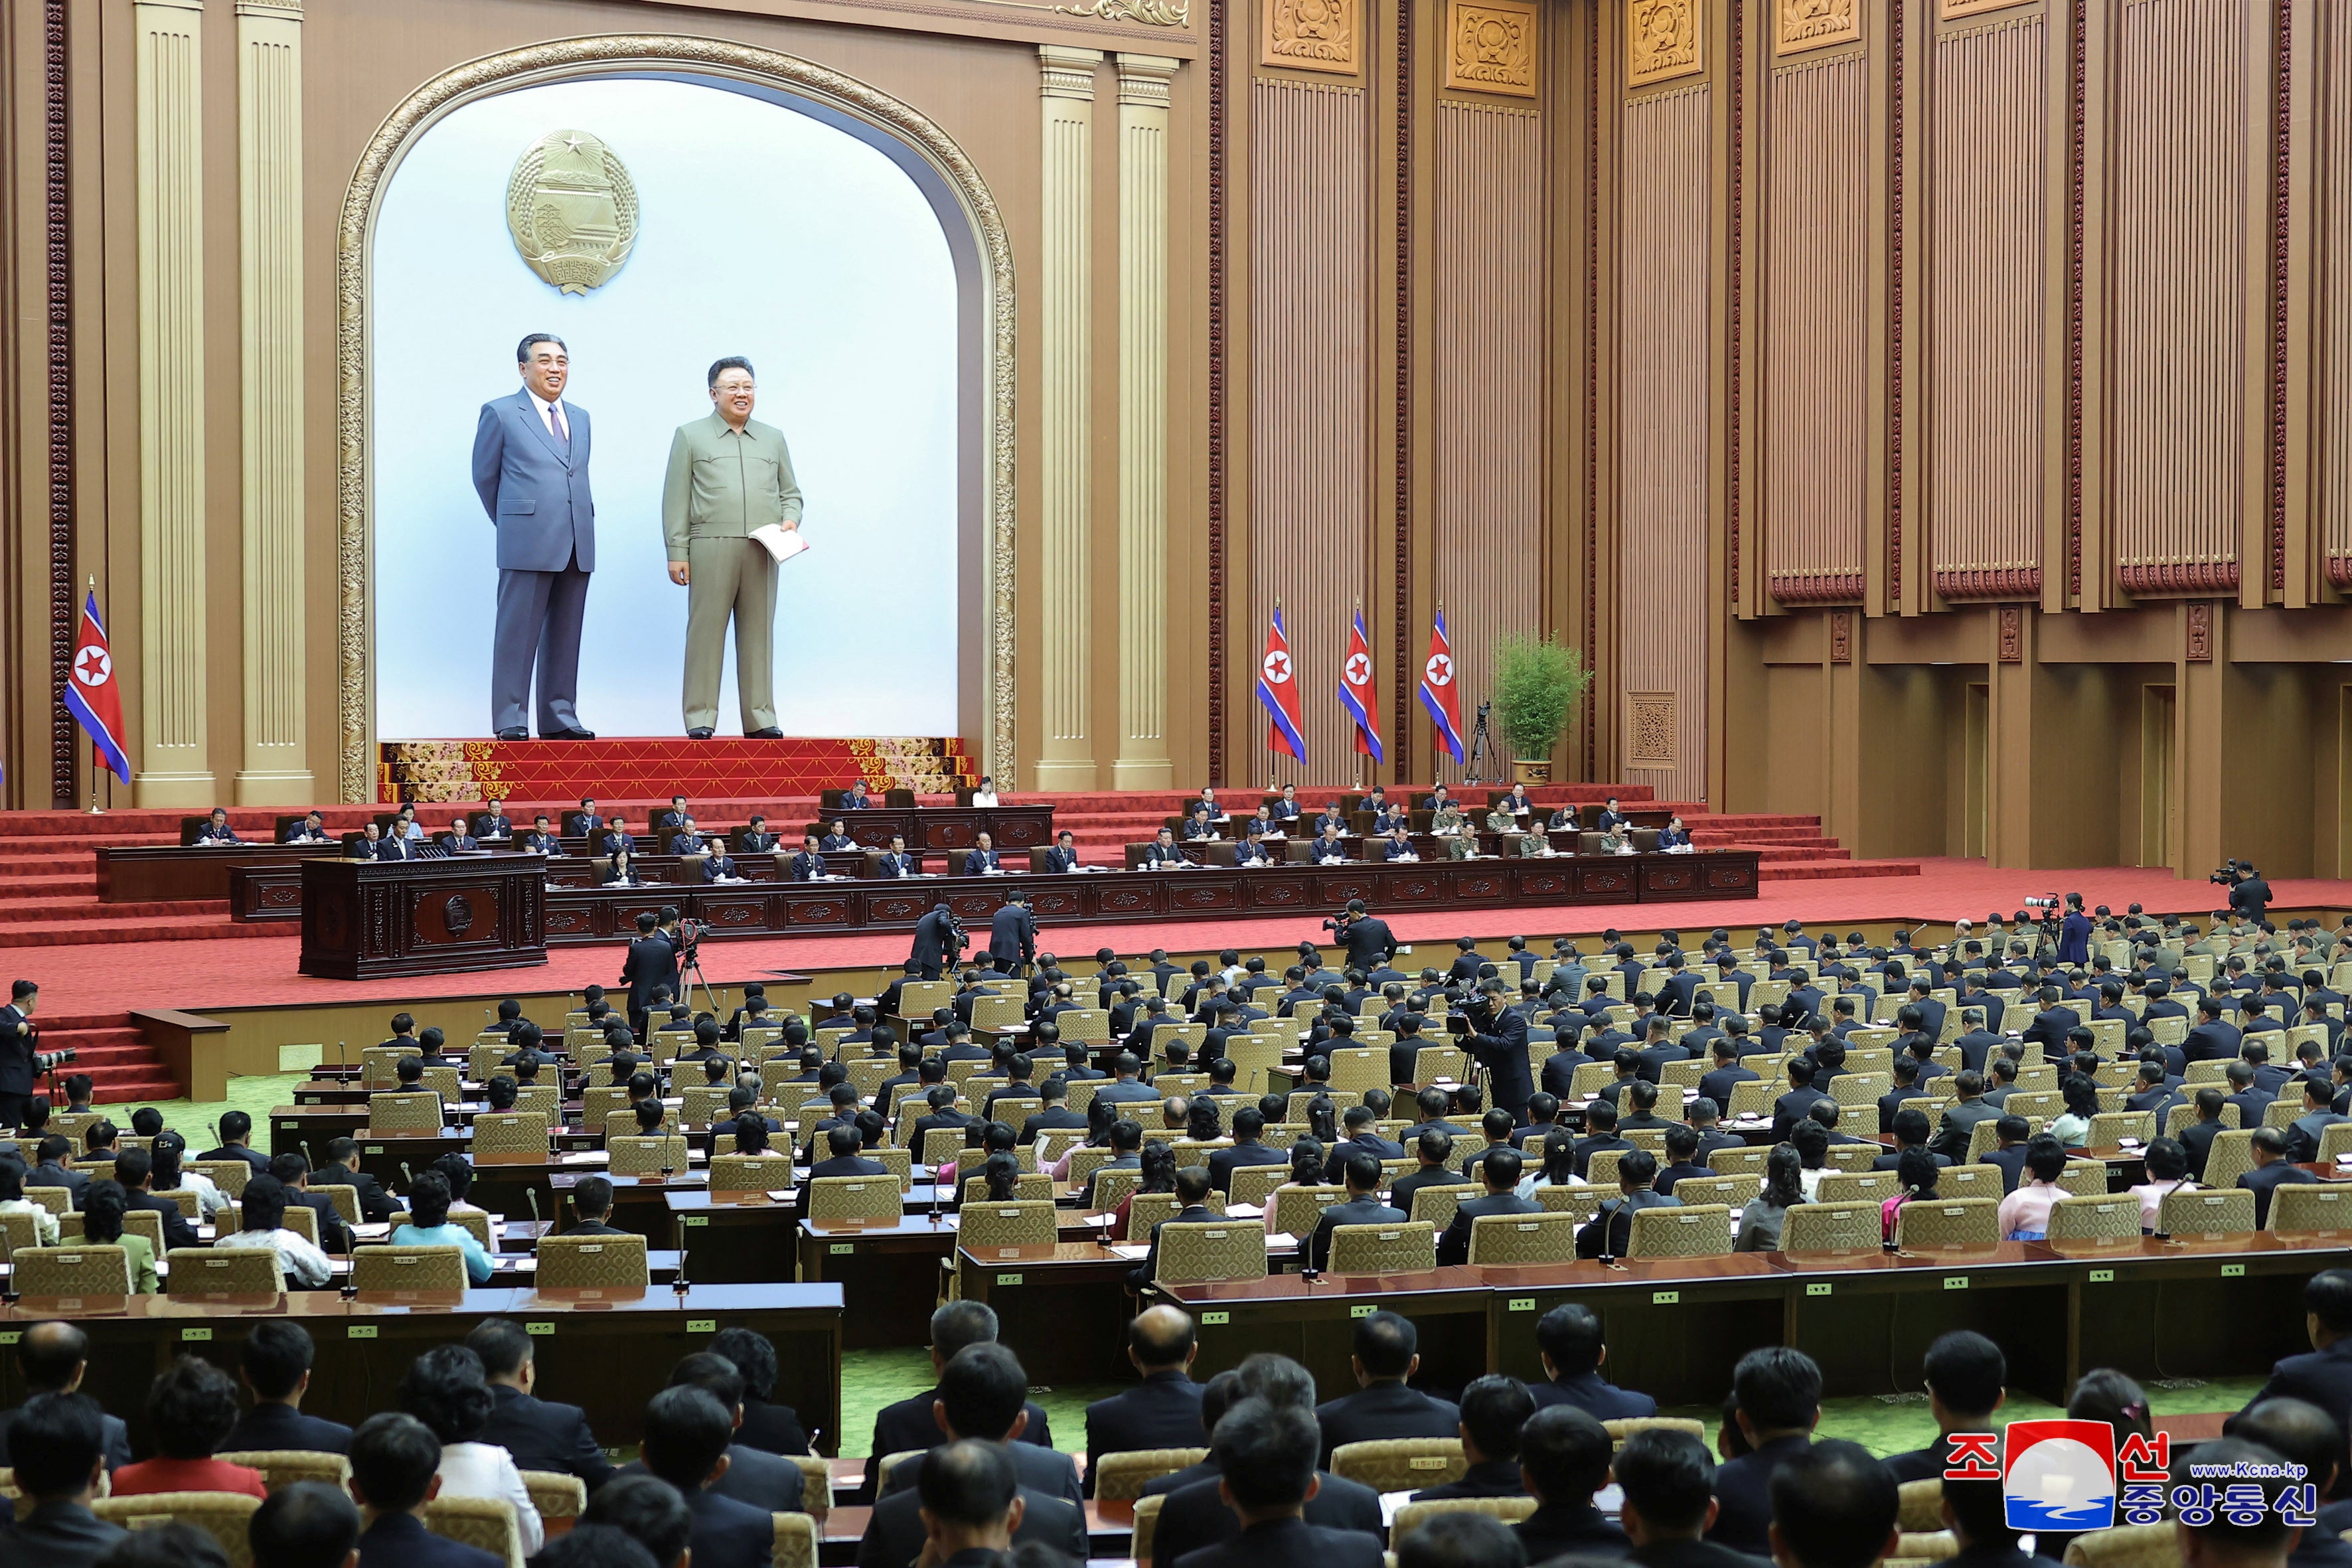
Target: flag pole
x=95 y=770
x=1355 y=742
x=1272 y=788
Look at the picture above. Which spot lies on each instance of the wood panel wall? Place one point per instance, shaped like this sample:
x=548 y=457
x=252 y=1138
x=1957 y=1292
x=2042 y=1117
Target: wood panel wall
x=2332 y=317
x=1665 y=456
x=1309 y=406
x=1813 y=451
x=2184 y=379
x=1987 y=308
x=1487 y=302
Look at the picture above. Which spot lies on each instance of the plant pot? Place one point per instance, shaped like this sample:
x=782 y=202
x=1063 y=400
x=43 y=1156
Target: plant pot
x=1531 y=770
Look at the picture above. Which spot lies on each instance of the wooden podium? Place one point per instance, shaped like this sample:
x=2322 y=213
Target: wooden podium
x=366 y=920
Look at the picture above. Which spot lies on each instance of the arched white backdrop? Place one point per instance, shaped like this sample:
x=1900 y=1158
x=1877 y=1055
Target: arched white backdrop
x=764 y=232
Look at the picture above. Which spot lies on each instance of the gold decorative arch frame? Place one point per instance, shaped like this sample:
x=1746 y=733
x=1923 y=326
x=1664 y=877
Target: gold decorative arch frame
x=667 y=55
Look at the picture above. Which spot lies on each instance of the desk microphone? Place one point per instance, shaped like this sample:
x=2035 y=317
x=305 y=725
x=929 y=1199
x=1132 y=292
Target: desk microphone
x=678 y=1284
x=406 y=1174
x=531 y=1197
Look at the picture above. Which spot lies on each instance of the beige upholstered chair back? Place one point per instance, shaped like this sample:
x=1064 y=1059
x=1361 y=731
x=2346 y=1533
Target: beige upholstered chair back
x=405 y=1269
x=2200 y=1211
x=284 y=1467
x=2096 y=1219
x=403 y=1113
x=985 y=1225
x=225 y=1516
x=837 y=1198
x=1435 y=1204
x=2311 y=1210
x=486 y=1524
x=1691 y=1231
x=1407 y=1248
x=592 y=1263
x=223 y=1271
x=644 y=1156
x=70 y=1271
x=1832 y=1227
x=1401 y=1464
x=1123 y=1474
x=1523 y=1238
x=1193 y=1250
x=751 y=1172
x=1949 y=1225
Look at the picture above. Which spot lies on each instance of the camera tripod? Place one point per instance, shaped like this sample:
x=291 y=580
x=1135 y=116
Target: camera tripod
x=1482 y=748
x=690 y=954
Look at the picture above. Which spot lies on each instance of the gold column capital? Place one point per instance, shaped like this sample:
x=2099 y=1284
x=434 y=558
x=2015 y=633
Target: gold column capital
x=1066 y=72
x=1143 y=80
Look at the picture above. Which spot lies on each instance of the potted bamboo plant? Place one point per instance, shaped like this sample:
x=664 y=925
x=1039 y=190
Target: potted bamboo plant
x=1538 y=682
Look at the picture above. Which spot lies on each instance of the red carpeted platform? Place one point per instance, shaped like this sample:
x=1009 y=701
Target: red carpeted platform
x=197 y=975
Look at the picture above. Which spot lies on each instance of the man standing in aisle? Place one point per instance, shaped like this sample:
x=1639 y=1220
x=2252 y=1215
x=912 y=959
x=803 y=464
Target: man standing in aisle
x=530 y=468
x=729 y=476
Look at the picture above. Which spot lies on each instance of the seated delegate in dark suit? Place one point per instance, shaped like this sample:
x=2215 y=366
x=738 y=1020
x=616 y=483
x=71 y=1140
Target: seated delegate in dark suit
x=895 y=862
x=1502 y=1176
x=1265 y=1452
x=808 y=865
x=1362 y=1208
x=1387 y=1352
x=1162 y=851
x=1163 y=1411
x=982 y=1390
x=311 y=829
x=1494 y=1408
x=980 y=859
x=1064 y=855
x=1778 y=1394
x=1328 y=849
x=1564 y=1453
x=277 y=1365
x=688 y=1432
x=720 y=867
x=909 y=1424
x=2273 y=1170
x=2322 y=1376
x=541 y=1435
x=1568 y=1338
x=395 y=1461
x=215 y=830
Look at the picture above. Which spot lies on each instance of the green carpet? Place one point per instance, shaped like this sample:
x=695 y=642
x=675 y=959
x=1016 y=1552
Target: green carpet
x=256 y=1096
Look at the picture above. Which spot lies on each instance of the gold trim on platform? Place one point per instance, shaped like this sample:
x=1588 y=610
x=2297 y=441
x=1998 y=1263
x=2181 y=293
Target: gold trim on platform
x=619 y=53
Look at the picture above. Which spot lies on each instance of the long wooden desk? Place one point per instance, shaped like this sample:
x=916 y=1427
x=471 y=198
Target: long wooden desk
x=608 y=1351
x=2207 y=1307
x=150 y=873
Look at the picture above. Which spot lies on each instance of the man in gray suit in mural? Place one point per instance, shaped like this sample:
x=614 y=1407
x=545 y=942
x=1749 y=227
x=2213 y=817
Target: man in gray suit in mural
x=530 y=464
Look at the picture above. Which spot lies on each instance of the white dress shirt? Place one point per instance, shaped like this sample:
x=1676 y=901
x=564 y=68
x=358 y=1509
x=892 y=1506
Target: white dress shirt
x=552 y=415
x=484 y=1470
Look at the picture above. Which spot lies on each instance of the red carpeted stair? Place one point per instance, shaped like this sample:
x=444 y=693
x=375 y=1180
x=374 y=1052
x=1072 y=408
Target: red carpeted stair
x=563 y=771
x=108 y=1047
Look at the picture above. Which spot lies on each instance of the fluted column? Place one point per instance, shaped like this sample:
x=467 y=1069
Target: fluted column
x=275 y=770
x=1143 y=761
x=173 y=765
x=1067 y=88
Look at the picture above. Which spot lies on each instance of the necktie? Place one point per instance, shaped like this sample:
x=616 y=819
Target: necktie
x=558 y=426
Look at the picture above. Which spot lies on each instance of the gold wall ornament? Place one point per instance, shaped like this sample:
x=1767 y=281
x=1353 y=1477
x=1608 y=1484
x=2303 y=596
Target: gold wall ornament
x=623 y=53
x=572 y=210
x=1151 y=13
x=1816 y=24
x=1663 y=41
x=1311 y=35
x=1491 y=47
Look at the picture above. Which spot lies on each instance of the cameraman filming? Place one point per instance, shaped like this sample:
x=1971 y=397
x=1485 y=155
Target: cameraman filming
x=1367 y=941
x=938 y=942
x=2250 y=896
x=1497 y=1041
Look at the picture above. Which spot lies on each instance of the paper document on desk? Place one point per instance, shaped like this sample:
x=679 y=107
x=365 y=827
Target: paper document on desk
x=784 y=543
x=1133 y=1251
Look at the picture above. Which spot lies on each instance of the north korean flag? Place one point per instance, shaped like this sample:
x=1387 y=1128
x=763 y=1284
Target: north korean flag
x=1278 y=688
x=1356 y=689
x=1439 y=693
x=93 y=698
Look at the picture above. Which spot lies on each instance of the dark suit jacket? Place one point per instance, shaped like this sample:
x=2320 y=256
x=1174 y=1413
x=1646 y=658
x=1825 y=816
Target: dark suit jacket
x=1741 y=1488
x=275 y=1425
x=728 y=1534
x=1603 y=1400
x=1163 y=1411
x=1562 y=1530
x=179 y=1232
x=2264 y=1179
x=375 y=1204
x=1382 y=1410
x=1503 y=1055
x=59 y=1535
x=772 y=1428
x=545 y=1436
x=117 y=1440
x=909 y=1425
x=894 y=1535
x=401 y=1541
x=1690 y=1555
x=2197 y=1138
x=1342 y=1530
